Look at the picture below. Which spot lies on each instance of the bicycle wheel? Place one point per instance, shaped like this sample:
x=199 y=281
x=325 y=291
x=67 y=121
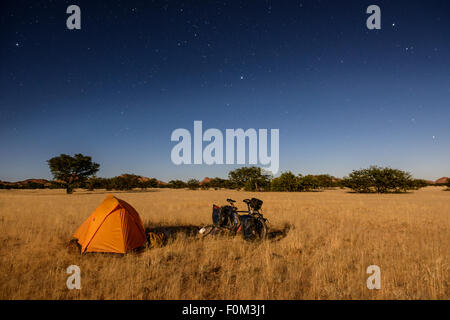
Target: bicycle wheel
x=255 y=230
x=260 y=229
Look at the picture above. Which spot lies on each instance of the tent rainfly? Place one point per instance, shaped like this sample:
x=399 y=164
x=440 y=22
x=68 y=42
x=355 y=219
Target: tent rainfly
x=115 y=226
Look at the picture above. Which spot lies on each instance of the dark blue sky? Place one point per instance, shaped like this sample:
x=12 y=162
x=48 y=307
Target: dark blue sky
x=344 y=97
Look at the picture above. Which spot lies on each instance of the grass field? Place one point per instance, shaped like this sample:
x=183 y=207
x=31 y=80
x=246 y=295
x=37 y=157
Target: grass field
x=333 y=237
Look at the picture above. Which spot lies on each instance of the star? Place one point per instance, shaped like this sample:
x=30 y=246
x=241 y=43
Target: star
x=242 y=77
x=393 y=24
x=17 y=44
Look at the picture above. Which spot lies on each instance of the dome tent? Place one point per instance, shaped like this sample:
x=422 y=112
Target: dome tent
x=115 y=226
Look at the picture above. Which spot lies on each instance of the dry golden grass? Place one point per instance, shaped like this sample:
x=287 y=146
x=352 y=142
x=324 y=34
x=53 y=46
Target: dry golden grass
x=334 y=237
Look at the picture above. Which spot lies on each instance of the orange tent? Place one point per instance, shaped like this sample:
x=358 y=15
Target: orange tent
x=115 y=226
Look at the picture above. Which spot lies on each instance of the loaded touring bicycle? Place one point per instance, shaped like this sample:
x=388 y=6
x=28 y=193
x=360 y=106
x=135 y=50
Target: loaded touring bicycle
x=228 y=220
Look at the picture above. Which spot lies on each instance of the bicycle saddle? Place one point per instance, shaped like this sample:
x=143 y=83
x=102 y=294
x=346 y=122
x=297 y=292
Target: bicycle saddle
x=231 y=200
x=246 y=201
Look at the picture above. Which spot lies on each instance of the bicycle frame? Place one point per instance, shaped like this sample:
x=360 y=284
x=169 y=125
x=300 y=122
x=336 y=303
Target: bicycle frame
x=250 y=211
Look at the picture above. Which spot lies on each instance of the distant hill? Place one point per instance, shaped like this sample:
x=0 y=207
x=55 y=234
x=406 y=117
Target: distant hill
x=145 y=179
x=205 y=180
x=27 y=182
x=442 y=180
x=41 y=181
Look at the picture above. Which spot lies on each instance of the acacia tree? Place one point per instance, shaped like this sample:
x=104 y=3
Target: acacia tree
x=381 y=180
x=70 y=171
x=287 y=181
x=250 y=178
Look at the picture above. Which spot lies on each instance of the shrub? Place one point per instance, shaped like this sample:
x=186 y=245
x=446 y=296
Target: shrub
x=416 y=184
x=308 y=183
x=95 y=183
x=381 y=180
x=250 y=179
x=325 y=181
x=193 y=184
x=287 y=181
x=151 y=183
x=125 y=182
x=217 y=183
x=176 y=184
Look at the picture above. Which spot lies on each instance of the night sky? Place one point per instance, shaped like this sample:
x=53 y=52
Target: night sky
x=344 y=97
